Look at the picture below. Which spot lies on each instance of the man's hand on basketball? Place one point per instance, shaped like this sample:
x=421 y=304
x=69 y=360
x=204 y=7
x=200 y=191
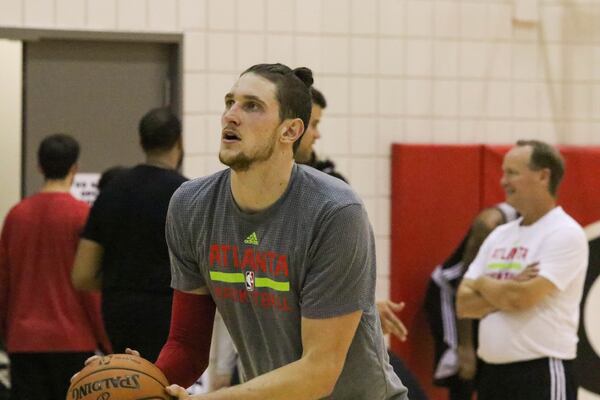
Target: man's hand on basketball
x=390 y=323
x=178 y=392
x=94 y=358
x=132 y=352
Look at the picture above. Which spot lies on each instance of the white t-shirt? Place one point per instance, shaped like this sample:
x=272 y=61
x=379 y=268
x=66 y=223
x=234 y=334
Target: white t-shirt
x=548 y=329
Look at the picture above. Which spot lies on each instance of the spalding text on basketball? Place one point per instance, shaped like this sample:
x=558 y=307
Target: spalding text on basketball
x=126 y=382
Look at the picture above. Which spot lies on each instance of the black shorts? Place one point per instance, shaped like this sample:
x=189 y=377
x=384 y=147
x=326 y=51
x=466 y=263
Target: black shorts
x=540 y=379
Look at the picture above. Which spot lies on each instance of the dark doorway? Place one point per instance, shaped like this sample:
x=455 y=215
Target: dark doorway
x=97 y=92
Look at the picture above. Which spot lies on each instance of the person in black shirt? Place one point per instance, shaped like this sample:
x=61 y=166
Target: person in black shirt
x=123 y=250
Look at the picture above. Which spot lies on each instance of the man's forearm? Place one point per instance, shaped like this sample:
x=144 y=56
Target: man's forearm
x=85 y=274
x=499 y=293
x=286 y=383
x=464 y=329
x=471 y=304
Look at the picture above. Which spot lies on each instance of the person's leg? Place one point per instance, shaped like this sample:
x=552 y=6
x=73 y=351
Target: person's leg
x=540 y=379
x=415 y=392
x=154 y=325
x=116 y=322
x=461 y=390
x=28 y=377
x=531 y=379
x=550 y=379
x=60 y=367
x=571 y=383
x=143 y=325
x=491 y=384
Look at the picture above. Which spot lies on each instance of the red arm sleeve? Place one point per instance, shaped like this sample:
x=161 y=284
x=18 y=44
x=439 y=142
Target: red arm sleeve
x=185 y=355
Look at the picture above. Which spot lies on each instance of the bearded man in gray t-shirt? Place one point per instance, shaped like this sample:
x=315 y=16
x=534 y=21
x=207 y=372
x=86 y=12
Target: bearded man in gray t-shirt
x=285 y=252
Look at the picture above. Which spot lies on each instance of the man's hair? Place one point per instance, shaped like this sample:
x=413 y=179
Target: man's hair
x=57 y=154
x=159 y=130
x=292 y=90
x=317 y=97
x=543 y=156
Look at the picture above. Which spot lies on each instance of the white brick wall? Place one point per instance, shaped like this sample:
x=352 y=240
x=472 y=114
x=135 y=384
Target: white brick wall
x=439 y=71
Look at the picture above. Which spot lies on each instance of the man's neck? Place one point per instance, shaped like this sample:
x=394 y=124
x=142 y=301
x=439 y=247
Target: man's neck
x=261 y=185
x=57 y=185
x=537 y=211
x=168 y=160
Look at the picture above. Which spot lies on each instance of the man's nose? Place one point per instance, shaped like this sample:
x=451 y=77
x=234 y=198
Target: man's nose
x=231 y=115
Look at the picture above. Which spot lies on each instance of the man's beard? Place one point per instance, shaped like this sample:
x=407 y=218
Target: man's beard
x=241 y=162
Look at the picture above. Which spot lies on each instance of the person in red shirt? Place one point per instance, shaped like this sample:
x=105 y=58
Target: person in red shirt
x=48 y=327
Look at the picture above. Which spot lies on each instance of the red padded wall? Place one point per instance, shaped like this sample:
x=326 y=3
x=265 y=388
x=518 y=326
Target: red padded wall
x=434 y=198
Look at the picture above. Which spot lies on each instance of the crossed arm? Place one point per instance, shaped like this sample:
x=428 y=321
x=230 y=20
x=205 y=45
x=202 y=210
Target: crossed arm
x=477 y=298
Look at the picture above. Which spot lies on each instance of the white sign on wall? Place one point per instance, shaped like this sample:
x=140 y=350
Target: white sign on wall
x=85 y=187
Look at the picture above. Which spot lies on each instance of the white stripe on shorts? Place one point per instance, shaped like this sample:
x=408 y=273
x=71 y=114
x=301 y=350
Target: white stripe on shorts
x=558 y=390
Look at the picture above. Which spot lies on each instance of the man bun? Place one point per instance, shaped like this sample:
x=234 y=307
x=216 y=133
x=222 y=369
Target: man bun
x=305 y=75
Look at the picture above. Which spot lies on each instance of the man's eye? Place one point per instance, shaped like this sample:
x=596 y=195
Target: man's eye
x=252 y=106
x=228 y=103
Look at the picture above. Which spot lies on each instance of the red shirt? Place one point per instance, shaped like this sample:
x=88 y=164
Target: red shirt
x=40 y=311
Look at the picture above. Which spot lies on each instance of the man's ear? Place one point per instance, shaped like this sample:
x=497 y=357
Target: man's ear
x=74 y=168
x=291 y=130
x=545 y=174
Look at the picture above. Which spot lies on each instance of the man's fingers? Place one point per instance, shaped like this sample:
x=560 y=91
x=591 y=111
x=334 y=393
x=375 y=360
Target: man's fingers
x=177 y=391
x=87 y=362
x=91 y=360
x=132 y=352
x=396 y=306
x=392 y=324
x=399 y=330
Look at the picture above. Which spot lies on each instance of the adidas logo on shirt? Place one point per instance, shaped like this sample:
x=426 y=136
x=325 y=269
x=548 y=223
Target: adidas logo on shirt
x=252 y=239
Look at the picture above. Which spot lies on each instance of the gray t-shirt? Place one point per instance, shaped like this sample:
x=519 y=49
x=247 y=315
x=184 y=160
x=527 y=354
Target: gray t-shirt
x=311 y=254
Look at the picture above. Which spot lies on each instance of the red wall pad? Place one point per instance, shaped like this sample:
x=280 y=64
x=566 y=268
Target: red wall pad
x=435 y=195
x=579 y=194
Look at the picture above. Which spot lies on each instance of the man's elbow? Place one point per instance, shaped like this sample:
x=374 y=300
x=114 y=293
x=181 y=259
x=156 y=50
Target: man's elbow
x=83 y=282
x=462 y=309
x=329 y=379
x=326 y=375
x=463 y=312
x=78 y=282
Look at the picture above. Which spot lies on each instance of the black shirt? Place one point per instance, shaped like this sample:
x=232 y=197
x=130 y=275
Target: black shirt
x=128 y=220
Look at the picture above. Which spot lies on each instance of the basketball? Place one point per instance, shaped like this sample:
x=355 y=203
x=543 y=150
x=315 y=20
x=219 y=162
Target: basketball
x=119 y=377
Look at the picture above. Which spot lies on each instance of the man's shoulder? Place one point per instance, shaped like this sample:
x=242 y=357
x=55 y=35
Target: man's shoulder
x=199 y=189
x=501 y=230
x=141 y=171
x=564 y=225
x=22 y=207
x=64 y=204
x=320 y=187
